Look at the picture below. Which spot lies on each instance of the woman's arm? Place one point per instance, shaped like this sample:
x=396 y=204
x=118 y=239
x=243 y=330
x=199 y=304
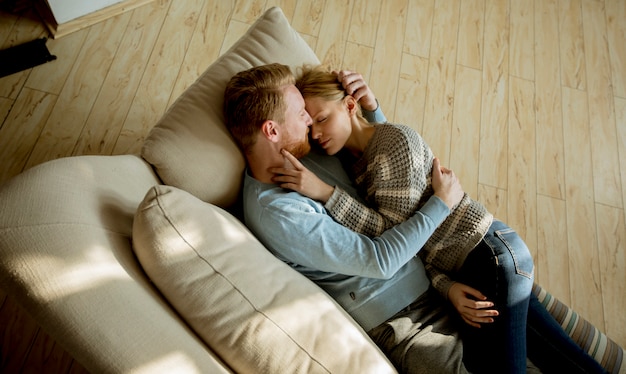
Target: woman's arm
x=395 y=178
x=342 y=206
x=349 y=211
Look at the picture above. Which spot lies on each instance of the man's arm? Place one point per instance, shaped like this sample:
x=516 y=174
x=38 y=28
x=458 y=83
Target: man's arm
x=301 y=233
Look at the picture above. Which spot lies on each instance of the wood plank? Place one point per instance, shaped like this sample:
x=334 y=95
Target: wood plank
x=620 y=118
x=548 y=100
x=465 y=142
x=612 y=251
x=363 y=17
x=288 y=7
x=495 y=200
x=551 y=262
x=330 y=46
x=205 y=45
x=417 y=36
x=52 y=76
x=61 y=29
x=358 y=58
x=437 y=128
x=585 y=282
x=71 y=110
x=412 y=91
x=495 y=91
x=103 y=125
x=77 y=368
x=245 y=11
x=153 y=95
x=25 y=122
x=471 y=33
x=25 y=29
x=607 y=184
x=612 y=262
x=47 y=356
x=388 y=54
x=572 y=46
x=522 y=39
x=5 y=108
x=21 y=27
x=616 y=32
x=17 y=333
x=522 y=164
x=308 y=17
x=7 y=22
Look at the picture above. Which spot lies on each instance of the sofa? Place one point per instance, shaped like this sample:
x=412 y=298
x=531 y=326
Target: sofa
x=138 y=263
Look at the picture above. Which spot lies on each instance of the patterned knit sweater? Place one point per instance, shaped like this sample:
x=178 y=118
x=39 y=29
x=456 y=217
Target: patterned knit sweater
x=394 y=177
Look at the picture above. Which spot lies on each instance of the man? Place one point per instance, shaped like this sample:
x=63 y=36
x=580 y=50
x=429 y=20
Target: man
x=378 y=281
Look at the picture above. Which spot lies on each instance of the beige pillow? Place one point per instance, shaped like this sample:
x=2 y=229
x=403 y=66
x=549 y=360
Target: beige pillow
x=190 y=147
x=258 y=314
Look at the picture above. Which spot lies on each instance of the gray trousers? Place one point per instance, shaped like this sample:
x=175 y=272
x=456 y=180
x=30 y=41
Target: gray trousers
x=422 y=338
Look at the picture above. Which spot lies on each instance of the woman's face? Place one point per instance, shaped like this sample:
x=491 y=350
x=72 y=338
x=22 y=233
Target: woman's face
x=331 y=127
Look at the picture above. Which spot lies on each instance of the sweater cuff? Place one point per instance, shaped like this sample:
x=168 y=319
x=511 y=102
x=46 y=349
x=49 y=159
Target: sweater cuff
x=334 y=198
x=443 y=285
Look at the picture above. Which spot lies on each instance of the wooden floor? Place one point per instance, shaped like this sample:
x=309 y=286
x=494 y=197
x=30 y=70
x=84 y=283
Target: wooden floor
x=525 y=100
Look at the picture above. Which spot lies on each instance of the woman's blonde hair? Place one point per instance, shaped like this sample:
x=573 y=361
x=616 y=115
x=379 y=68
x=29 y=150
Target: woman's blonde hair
x=254 y=96
x=320 y=81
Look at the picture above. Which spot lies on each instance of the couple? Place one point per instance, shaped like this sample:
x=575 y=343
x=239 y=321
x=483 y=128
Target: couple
x=366 y=259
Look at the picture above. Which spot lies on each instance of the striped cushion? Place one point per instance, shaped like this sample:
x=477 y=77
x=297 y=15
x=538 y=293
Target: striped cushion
x=599 y=346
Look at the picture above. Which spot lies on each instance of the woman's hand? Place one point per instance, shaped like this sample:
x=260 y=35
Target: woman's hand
x=471 y=304
x=295 y=176
x=355 y=85
x=446 y=185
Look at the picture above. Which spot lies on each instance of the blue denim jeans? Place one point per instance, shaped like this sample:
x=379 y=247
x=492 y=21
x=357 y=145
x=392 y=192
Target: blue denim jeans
x=551 y=349
x=501 y=267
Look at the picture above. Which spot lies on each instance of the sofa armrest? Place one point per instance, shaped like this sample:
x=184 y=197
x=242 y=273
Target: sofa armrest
x=65 y=255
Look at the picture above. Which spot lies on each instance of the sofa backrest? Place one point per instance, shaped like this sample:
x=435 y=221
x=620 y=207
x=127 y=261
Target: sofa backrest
x=190 y=147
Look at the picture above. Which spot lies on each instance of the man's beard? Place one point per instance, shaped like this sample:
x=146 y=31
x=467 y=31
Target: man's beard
x=299 y=149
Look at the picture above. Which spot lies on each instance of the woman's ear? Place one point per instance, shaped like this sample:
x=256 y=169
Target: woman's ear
x=351 y=104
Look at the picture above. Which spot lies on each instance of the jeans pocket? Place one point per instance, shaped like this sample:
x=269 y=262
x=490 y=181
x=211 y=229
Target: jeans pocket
x=509 y=246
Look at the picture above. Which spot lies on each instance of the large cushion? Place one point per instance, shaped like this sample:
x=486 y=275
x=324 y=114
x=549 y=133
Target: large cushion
x=257 y=313
x=66 y=258
x=190 y=147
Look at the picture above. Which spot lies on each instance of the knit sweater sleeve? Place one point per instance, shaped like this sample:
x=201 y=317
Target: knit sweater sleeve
x=392 y=176
x=355 y=215
x=440 y=280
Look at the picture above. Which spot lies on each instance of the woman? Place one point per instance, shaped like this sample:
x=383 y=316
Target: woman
x=472 y=260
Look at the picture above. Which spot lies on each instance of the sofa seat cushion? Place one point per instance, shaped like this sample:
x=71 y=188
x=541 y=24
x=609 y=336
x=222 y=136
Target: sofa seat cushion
x=190 y=147
x=258 y=314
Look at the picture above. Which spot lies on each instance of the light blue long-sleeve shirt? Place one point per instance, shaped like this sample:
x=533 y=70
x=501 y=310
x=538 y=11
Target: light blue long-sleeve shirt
x=372 y=279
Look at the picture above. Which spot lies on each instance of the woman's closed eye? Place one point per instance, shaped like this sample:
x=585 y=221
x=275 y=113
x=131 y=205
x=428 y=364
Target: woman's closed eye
x=322 y=120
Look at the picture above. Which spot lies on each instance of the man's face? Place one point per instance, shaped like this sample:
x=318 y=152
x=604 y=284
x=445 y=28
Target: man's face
x=297 y=122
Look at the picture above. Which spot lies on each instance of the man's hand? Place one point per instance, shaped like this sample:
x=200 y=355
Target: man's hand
x=355 y=85
x=295 y=176
x=446 y=185
x=471 y=304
